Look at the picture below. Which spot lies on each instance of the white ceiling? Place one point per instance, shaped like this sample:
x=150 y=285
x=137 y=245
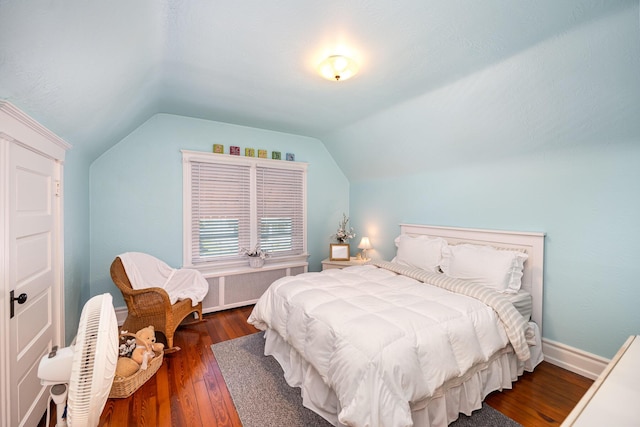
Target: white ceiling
x=93 y=71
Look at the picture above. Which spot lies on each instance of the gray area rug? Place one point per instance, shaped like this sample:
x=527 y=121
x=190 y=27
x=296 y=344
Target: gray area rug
x=264 y=399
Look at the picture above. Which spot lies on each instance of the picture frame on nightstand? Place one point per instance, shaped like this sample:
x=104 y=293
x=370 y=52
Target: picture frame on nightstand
x=339 y=252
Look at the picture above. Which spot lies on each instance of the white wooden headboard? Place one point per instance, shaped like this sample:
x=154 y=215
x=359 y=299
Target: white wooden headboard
x=531 y=243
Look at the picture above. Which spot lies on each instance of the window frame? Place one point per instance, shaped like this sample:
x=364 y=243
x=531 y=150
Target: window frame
x=238 y=264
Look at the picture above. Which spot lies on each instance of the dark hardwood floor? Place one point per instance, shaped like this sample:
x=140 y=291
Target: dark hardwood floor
x=188 y=390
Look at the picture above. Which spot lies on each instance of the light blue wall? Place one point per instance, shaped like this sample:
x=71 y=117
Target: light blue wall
x=136 y=190
x=76 y=238
x=557 y=149
x=586 y=201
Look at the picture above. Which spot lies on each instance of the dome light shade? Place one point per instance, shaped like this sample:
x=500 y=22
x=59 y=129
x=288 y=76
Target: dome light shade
x=338 y=67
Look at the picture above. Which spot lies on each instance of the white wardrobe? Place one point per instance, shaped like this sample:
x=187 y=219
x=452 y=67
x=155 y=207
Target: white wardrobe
x=31 y=261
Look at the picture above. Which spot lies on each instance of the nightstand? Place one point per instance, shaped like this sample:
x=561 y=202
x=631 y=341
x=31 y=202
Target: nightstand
x=327 y=264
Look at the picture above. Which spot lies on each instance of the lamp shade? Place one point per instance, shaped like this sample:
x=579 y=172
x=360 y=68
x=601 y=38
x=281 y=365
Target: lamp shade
x=364 y=243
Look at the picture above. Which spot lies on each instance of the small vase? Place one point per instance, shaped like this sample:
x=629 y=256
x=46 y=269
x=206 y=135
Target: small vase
x=256 y=261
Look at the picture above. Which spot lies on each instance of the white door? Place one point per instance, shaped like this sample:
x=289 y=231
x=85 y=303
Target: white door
x=33 y=271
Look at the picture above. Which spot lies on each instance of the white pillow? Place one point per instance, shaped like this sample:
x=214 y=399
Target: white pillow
x=497 y=269
x=419 y=251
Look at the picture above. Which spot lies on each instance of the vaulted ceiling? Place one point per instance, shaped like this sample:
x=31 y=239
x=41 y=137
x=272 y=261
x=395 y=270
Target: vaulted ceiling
x=93 y=71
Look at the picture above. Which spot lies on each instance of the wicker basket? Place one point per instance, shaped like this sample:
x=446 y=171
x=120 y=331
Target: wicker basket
x=125 y=387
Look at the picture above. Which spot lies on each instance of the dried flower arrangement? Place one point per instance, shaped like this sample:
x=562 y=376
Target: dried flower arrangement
x=344 y=234
x=255 y=252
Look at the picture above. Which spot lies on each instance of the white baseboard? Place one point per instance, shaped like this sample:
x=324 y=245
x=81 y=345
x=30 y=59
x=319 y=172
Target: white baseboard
x=575 y=360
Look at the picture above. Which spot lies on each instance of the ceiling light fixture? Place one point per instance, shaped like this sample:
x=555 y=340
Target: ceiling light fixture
x=338 y=67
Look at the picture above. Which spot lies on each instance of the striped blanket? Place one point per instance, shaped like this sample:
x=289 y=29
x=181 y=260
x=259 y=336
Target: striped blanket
x=517 y=328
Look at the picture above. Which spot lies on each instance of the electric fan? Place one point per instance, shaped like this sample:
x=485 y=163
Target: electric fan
x=86 y=368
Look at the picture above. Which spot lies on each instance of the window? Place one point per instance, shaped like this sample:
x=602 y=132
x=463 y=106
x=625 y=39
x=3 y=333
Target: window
x=233 y=203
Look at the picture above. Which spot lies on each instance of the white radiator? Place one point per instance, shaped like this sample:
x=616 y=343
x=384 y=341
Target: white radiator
x=245 y=287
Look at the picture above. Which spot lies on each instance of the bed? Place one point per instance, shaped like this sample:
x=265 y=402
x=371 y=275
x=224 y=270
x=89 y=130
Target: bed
x=401 y=343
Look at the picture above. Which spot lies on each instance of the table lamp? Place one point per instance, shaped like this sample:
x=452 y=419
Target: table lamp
x=364 y=245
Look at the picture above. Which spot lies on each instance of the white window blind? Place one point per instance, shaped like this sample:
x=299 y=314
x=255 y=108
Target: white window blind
x=234 y=202
x=220 y=210
x=280 y=210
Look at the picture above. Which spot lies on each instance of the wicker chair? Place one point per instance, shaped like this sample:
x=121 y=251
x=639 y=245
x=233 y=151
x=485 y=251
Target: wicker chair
x=151 y=306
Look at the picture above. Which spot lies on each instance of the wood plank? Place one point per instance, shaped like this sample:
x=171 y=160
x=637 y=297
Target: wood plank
x=541 y=398
x=183 y=398
x=145 y=404
x=164 y=397
x=189 y=391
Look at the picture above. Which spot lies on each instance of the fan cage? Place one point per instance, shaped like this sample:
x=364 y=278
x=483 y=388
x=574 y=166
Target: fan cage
x=94 y=361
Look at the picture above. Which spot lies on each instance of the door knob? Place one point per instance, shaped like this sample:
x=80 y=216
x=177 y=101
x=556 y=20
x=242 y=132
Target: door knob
x=22 y=298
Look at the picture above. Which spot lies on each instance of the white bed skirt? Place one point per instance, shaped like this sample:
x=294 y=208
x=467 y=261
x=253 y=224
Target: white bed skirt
x=461 y=395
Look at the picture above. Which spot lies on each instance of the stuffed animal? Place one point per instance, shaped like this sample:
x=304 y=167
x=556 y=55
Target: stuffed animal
x=145 y=346
x=126 y=367
x=145 y=349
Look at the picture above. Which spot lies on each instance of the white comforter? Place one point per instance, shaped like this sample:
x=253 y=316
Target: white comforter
x=378 y=339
